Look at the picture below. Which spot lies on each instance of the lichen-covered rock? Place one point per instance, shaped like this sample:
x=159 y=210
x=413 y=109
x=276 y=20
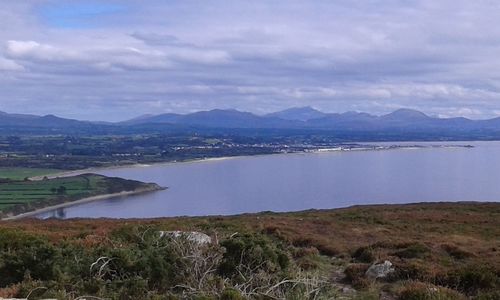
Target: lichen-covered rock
x=192 y=236
x=380 y=270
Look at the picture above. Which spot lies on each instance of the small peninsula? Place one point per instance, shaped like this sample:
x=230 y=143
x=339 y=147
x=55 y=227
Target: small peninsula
x=24 y=198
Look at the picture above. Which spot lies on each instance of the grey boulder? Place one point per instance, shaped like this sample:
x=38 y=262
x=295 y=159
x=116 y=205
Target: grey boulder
x=380 y=270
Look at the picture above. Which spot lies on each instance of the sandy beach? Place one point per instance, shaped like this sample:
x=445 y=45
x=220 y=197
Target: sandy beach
x=97 y=169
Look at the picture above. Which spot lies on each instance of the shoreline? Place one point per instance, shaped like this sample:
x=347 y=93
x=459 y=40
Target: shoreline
x=321 y=151
x=213 y=159
x=150 y=189
x=136 y=165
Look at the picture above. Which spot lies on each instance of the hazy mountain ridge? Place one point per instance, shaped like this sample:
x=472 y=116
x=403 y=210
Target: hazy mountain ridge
x=399 y=122
x=27 y=120
x=217 y=118
x=310 y=118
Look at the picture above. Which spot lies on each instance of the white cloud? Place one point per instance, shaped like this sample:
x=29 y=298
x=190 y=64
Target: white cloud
x=31 y=50
x=9 y=65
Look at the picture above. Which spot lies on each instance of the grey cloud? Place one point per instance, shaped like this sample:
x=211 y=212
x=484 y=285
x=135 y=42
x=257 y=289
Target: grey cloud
x=157 y=39
x=9 y=65
x=437 y=56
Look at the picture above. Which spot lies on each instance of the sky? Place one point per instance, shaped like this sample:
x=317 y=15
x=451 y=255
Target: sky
x=114 y=60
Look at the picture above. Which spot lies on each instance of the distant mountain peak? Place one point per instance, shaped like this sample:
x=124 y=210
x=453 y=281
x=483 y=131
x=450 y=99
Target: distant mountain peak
x=307 y=107
x=406 y=113
x=227 y=110
x=143 y=117
x=220 y=112
x=301 y=109
x=50 y=116
x=355 y=113
x=303 y=113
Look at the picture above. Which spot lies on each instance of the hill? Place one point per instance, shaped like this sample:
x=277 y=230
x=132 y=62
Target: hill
x=298 y=114
x=437 y=251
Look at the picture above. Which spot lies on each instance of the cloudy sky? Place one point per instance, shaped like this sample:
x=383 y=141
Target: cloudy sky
x=113 y=60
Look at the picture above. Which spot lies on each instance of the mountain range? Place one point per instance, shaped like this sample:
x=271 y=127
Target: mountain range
x=24 y=120
x=299 y=118
x=310 y=118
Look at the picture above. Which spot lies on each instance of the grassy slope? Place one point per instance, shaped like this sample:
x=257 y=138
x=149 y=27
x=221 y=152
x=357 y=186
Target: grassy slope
x=440 y=243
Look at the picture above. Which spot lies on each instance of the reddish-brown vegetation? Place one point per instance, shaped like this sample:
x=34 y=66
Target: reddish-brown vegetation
x=452 y=245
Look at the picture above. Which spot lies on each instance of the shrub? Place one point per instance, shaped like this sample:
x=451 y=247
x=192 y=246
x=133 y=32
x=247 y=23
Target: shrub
x=472 y=279
x=421 y=291
x=130 y=288
x=10 y=291
x=255 y=265
x=272 y=230
x=309 y=258
x=203 y=297
x=369 y=294
x=412 y=270
x=456 y=252
x=355 y=274
x=323 y=246
x=303 y=242
x=22 y=254
x=491 y=295
x=230 y=294
x=364 y=255
x=251 y=252
x=304 y=252
x=416 y=250
x=327 y=249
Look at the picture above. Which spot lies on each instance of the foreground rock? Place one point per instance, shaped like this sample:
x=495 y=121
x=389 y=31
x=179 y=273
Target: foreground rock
x=379 y=270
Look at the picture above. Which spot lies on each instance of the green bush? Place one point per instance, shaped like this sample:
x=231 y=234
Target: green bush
x=473 y=278
x=308 y=258
x=230 y=294
x=253 y=252
x=135 y=263
x=25 y=255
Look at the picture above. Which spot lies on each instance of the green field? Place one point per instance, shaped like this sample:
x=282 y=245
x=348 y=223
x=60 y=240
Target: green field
x=22 y=196
x=21 y=192
x=21 y=173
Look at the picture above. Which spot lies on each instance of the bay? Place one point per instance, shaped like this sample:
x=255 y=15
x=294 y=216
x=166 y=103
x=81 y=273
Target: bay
x=291 y=182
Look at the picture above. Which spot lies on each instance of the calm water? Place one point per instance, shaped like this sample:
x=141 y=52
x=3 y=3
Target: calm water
x=303 y=181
